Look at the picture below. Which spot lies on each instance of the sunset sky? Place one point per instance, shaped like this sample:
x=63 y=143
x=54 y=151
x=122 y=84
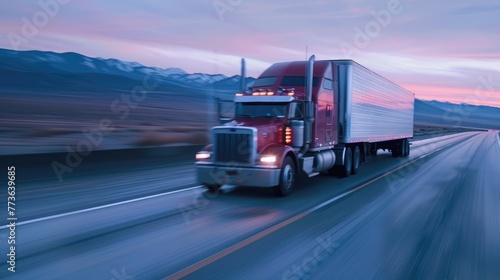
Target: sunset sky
x=446 y=50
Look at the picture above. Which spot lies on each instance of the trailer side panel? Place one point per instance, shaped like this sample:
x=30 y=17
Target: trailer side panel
x=373 y=108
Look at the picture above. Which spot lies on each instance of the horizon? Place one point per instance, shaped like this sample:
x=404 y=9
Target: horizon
x=458 y=63
x=229 y=76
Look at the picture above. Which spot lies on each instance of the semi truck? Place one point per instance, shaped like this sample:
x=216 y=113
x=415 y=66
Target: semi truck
x=306 y=118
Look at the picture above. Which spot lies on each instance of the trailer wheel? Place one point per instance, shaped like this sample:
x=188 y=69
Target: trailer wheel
x=403 y=147
x=347 y=167
x=287 y=178
x=407 y=147
x=356 y=160
x=397 y=148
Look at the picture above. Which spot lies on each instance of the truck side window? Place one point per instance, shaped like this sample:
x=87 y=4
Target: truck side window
x=327 y=84
x=296 y=110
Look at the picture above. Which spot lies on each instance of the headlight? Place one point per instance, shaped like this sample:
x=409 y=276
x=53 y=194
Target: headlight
x=268 y=159
x=203 y=155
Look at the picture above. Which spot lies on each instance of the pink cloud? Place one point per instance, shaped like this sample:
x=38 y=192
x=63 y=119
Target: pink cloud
x=475 y=96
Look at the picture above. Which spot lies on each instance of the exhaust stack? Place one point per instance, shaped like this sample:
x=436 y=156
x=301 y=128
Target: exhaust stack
x=309 y=106
x=243 y=82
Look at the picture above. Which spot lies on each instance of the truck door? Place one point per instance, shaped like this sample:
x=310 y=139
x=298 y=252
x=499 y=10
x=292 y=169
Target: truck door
x=324 y=114
x=328 y=88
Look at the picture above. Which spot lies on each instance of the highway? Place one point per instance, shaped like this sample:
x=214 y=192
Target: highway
x=433 y=215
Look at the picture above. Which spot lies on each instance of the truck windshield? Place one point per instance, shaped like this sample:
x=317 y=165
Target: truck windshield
x=261 y=110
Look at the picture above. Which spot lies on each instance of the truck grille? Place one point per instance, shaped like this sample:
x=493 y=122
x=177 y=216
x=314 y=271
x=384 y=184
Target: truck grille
x=234 y=147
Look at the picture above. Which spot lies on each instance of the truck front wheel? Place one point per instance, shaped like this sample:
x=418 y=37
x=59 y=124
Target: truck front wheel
x=213 y=188
x=287 y=178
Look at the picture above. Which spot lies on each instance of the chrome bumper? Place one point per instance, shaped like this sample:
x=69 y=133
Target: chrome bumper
x=239 y=176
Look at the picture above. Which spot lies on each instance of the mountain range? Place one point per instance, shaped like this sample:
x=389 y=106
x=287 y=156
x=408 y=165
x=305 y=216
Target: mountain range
x=25 y=74
x=29 y=71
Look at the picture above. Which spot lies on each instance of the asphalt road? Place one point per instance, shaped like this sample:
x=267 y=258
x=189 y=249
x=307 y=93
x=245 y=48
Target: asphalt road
x=433 y=215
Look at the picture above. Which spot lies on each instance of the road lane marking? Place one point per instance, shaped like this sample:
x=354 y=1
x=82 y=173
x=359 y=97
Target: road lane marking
x=498 y=138
x=100 y=207
x=199 y=265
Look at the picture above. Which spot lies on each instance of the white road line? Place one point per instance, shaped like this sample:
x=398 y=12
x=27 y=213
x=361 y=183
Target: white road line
x=498 y=138
x=99 y=207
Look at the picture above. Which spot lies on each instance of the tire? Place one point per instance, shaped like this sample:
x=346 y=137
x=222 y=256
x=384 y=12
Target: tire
x=356 y=160
x=287 y=178
x=397 y=148
x=213 y=189
x=404 y=147
x=347 y=167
